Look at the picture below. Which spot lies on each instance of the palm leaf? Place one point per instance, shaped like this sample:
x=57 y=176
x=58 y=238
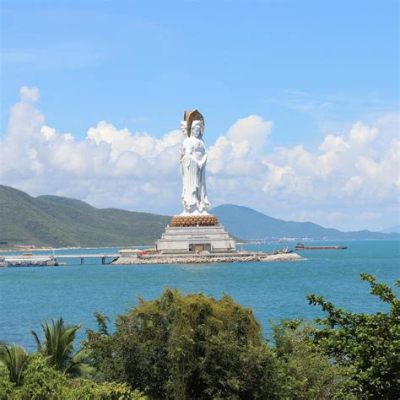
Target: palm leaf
x=58 y=345
x=15 y=359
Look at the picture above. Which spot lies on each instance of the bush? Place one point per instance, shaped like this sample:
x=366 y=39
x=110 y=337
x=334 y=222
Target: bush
x=83 y=389
x=369 y=344
x=305 y=372
x=6 y=386
x=187 y=347
x=43 y=382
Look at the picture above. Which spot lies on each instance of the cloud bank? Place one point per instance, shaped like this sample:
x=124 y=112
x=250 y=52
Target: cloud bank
x=350 y=181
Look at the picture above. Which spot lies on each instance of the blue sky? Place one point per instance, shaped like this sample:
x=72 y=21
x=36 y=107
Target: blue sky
x=312 y=68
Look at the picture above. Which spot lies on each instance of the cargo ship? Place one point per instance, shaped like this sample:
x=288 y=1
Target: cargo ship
x=301 y=246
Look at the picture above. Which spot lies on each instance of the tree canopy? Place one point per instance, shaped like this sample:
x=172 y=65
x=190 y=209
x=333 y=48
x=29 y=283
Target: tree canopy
x=369 y=343
x=187 y=347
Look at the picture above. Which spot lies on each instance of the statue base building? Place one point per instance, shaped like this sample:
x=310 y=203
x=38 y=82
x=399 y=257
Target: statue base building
x=195 y=234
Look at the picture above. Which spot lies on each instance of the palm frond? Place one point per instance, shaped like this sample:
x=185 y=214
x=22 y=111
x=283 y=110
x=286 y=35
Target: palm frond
x=15 y=359
x=58 y=344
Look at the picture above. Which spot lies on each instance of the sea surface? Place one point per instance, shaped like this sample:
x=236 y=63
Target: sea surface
x=275 y=291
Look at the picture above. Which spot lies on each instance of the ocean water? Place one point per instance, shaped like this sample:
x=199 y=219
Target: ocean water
x=275 y=291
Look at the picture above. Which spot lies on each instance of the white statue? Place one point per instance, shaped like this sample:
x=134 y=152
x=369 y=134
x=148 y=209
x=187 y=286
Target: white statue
x=193 y=165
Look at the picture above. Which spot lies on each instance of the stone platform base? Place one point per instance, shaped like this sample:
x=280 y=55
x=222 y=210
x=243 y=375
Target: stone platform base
x=207 y=259
x=195 y=240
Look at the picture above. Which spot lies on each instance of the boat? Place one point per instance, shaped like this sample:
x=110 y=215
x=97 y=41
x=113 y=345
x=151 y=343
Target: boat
x=285 y=250
x=301 y=246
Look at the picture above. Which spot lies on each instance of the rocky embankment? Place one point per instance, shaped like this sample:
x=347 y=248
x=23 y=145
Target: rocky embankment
x=207 y=259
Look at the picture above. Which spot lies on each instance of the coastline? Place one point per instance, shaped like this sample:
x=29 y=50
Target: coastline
x=25 y=249
x=207 y=259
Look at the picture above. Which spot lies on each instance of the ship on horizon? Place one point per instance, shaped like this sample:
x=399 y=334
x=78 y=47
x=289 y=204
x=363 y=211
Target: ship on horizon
x=301 y=246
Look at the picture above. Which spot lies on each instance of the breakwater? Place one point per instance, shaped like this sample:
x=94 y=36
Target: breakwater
x=207 y=259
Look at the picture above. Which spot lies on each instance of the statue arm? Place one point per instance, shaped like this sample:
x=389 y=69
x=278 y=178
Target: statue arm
x=203 y=161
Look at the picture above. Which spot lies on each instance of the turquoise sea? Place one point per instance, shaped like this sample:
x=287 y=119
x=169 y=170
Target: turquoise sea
x=31 y=295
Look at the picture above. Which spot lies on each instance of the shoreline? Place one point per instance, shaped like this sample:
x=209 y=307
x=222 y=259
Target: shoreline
x=272 y=242
x=61 y=248
x=207 y=259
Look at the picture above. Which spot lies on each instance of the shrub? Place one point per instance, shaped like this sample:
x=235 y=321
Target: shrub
x=370 y=344
x=6 y=386
x=43 y=382
x=187 y=347
x=83 y=389
x=305 y=371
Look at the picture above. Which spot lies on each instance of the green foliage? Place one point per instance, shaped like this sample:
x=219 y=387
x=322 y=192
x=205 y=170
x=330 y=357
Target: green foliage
x=370 y=344
x=87 y=390
x=58 y=346
x=59 y=221
x=305 y=372
x=15 y=359
x=6 y=386
x=187 y=347
x=43 y=382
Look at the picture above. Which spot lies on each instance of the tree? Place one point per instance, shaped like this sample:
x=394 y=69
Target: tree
x=15 y=359
x=305 y=371
x=187 y=347
x=58 y=346
x=370 y=344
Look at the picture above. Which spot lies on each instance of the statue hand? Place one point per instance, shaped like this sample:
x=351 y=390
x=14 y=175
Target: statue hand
x=203 y=161
x=205 y=158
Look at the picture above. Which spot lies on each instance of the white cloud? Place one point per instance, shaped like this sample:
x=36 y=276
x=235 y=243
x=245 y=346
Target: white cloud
x=29 y=93
x=238 y=153
x=334 y=144
x=349 y=181
x=352 y=185
x=362 y=134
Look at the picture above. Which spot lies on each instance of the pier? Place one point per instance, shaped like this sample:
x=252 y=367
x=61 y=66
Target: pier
x=31 y=260
x=82 y=257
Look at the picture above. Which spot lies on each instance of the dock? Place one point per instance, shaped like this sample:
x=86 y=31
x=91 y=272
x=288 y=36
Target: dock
x=82 y=257
x=32 y=260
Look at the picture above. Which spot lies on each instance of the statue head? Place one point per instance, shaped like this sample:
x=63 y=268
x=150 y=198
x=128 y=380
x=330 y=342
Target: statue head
x=190 y=117
x=197 y=128
x=184 y=129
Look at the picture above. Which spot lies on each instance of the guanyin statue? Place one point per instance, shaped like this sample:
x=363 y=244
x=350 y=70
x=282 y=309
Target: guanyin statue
x=193 y=165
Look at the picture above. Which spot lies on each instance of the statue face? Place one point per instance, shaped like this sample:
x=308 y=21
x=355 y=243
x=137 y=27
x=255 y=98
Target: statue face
x=197 y=129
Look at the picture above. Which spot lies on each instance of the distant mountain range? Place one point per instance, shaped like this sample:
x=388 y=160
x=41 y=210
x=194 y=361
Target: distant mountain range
x=392 y=229
x=59 y=221
x=247 y=224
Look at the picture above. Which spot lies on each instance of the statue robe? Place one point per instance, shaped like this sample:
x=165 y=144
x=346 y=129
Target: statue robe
x=194 y=194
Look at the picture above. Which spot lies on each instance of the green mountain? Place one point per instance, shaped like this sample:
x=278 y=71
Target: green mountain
x=59 y=221
x=248 y=224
